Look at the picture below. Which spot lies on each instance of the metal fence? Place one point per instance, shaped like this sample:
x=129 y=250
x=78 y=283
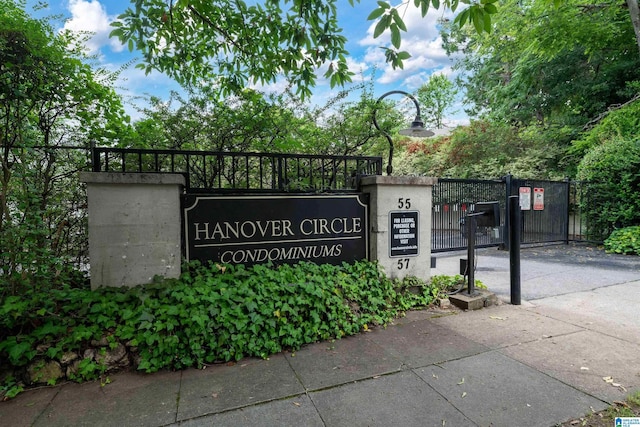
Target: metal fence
x=225 y=171
x=555 y=214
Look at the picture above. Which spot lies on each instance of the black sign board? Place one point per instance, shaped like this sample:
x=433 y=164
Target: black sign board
x=403 y=233
x=281 y=229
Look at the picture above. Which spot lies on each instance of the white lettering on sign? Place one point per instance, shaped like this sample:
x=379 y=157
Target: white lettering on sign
x=220 y=231
x=324 y=226
x=243 y=256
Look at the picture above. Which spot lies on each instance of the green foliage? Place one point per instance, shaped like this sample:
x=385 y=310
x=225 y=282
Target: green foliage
x=613 y=170
x=50 y=98
x=414 y=293
x=571 y=64
x=624 y=241
x=10 y=388
x=89 y=370
x=233 y=43
x=253 y=122
x=620 y=123
x=229 y=44
x=209 y=314
x=488 y=149
x=436 y=97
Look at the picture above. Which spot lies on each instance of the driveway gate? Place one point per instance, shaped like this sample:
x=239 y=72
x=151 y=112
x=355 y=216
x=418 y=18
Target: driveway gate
x=550 y=211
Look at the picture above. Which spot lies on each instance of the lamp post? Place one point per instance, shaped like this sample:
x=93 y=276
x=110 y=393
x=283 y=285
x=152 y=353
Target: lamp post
x=416 y=130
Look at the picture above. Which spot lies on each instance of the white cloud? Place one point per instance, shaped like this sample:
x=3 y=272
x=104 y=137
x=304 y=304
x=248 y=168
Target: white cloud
x=91 y=16
x=422 y=40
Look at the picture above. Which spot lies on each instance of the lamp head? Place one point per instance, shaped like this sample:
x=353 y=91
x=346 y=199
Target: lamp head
x=417 y=130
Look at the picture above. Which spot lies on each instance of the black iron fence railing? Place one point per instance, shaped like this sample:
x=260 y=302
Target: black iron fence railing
x=225 y=171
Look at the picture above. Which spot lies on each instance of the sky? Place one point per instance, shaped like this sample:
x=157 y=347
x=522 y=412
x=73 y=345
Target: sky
x=422 y=41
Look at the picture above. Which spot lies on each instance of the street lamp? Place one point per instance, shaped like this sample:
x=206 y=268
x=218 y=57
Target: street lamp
x=417 y=129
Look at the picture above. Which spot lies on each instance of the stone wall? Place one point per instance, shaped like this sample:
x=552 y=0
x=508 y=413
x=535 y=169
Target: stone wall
x=134 y=227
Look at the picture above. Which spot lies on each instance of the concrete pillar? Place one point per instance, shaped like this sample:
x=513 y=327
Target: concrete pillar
x=134 y=227
x=400 y=224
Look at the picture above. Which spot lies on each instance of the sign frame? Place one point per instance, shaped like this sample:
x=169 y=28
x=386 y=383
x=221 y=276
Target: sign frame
x=255 y=229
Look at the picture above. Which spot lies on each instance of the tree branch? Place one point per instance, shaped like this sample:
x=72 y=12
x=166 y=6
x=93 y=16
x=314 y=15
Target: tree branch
x=611 y=108
x=224 y=33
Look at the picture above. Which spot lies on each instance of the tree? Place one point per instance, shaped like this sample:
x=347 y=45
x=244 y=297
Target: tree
x=224 y=44
x=437 y=97
x=51 y=103
x=252 y=121
x=569 y=66
x=247 y=122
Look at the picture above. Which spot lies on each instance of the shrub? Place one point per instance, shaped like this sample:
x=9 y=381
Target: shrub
x=210 y=314
x=613 y=170
x=624 y=241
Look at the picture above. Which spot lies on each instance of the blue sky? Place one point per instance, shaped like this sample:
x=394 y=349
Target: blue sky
x=422 y=41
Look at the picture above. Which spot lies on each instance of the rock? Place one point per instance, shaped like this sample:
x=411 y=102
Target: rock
x=41 y=372
x=72 y=370
x=89 y=353
x=102 y=342
x=68 y=357
x=42 y=348
x=114 y=358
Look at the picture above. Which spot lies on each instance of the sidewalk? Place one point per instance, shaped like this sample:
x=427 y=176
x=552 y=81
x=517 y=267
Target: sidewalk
x=537 y=364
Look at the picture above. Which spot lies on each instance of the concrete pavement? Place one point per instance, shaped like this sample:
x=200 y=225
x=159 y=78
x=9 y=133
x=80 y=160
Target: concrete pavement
x=536 y=364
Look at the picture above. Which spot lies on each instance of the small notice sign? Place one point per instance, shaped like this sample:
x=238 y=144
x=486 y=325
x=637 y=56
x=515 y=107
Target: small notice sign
x=525 y=198
x=538 y=199
x=403 y=233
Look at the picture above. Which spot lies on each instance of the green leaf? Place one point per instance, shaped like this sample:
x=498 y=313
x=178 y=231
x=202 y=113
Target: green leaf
x=21 y=353
x=462 y=18
x=398 y=20
x=381 y=26
x=477 y=18
x=396 y=39
x=117 y=32
x=487 y=22
x=376 y=13
x=490 y=8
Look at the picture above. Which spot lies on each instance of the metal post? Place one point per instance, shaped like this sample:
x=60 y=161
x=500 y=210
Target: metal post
x=567 y=211
x=95 y=161
x=471 y=244
x=514 y=248
x=506 y=238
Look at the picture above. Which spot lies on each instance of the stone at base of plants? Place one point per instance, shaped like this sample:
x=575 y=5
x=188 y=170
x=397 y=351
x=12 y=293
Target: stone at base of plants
x=479 y=299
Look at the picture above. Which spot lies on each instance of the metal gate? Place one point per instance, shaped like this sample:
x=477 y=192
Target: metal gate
x=553 y=213
x=546 y=218
x=452 y=199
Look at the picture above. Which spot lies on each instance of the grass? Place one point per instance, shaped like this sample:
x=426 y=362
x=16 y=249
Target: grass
x=627 y=408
